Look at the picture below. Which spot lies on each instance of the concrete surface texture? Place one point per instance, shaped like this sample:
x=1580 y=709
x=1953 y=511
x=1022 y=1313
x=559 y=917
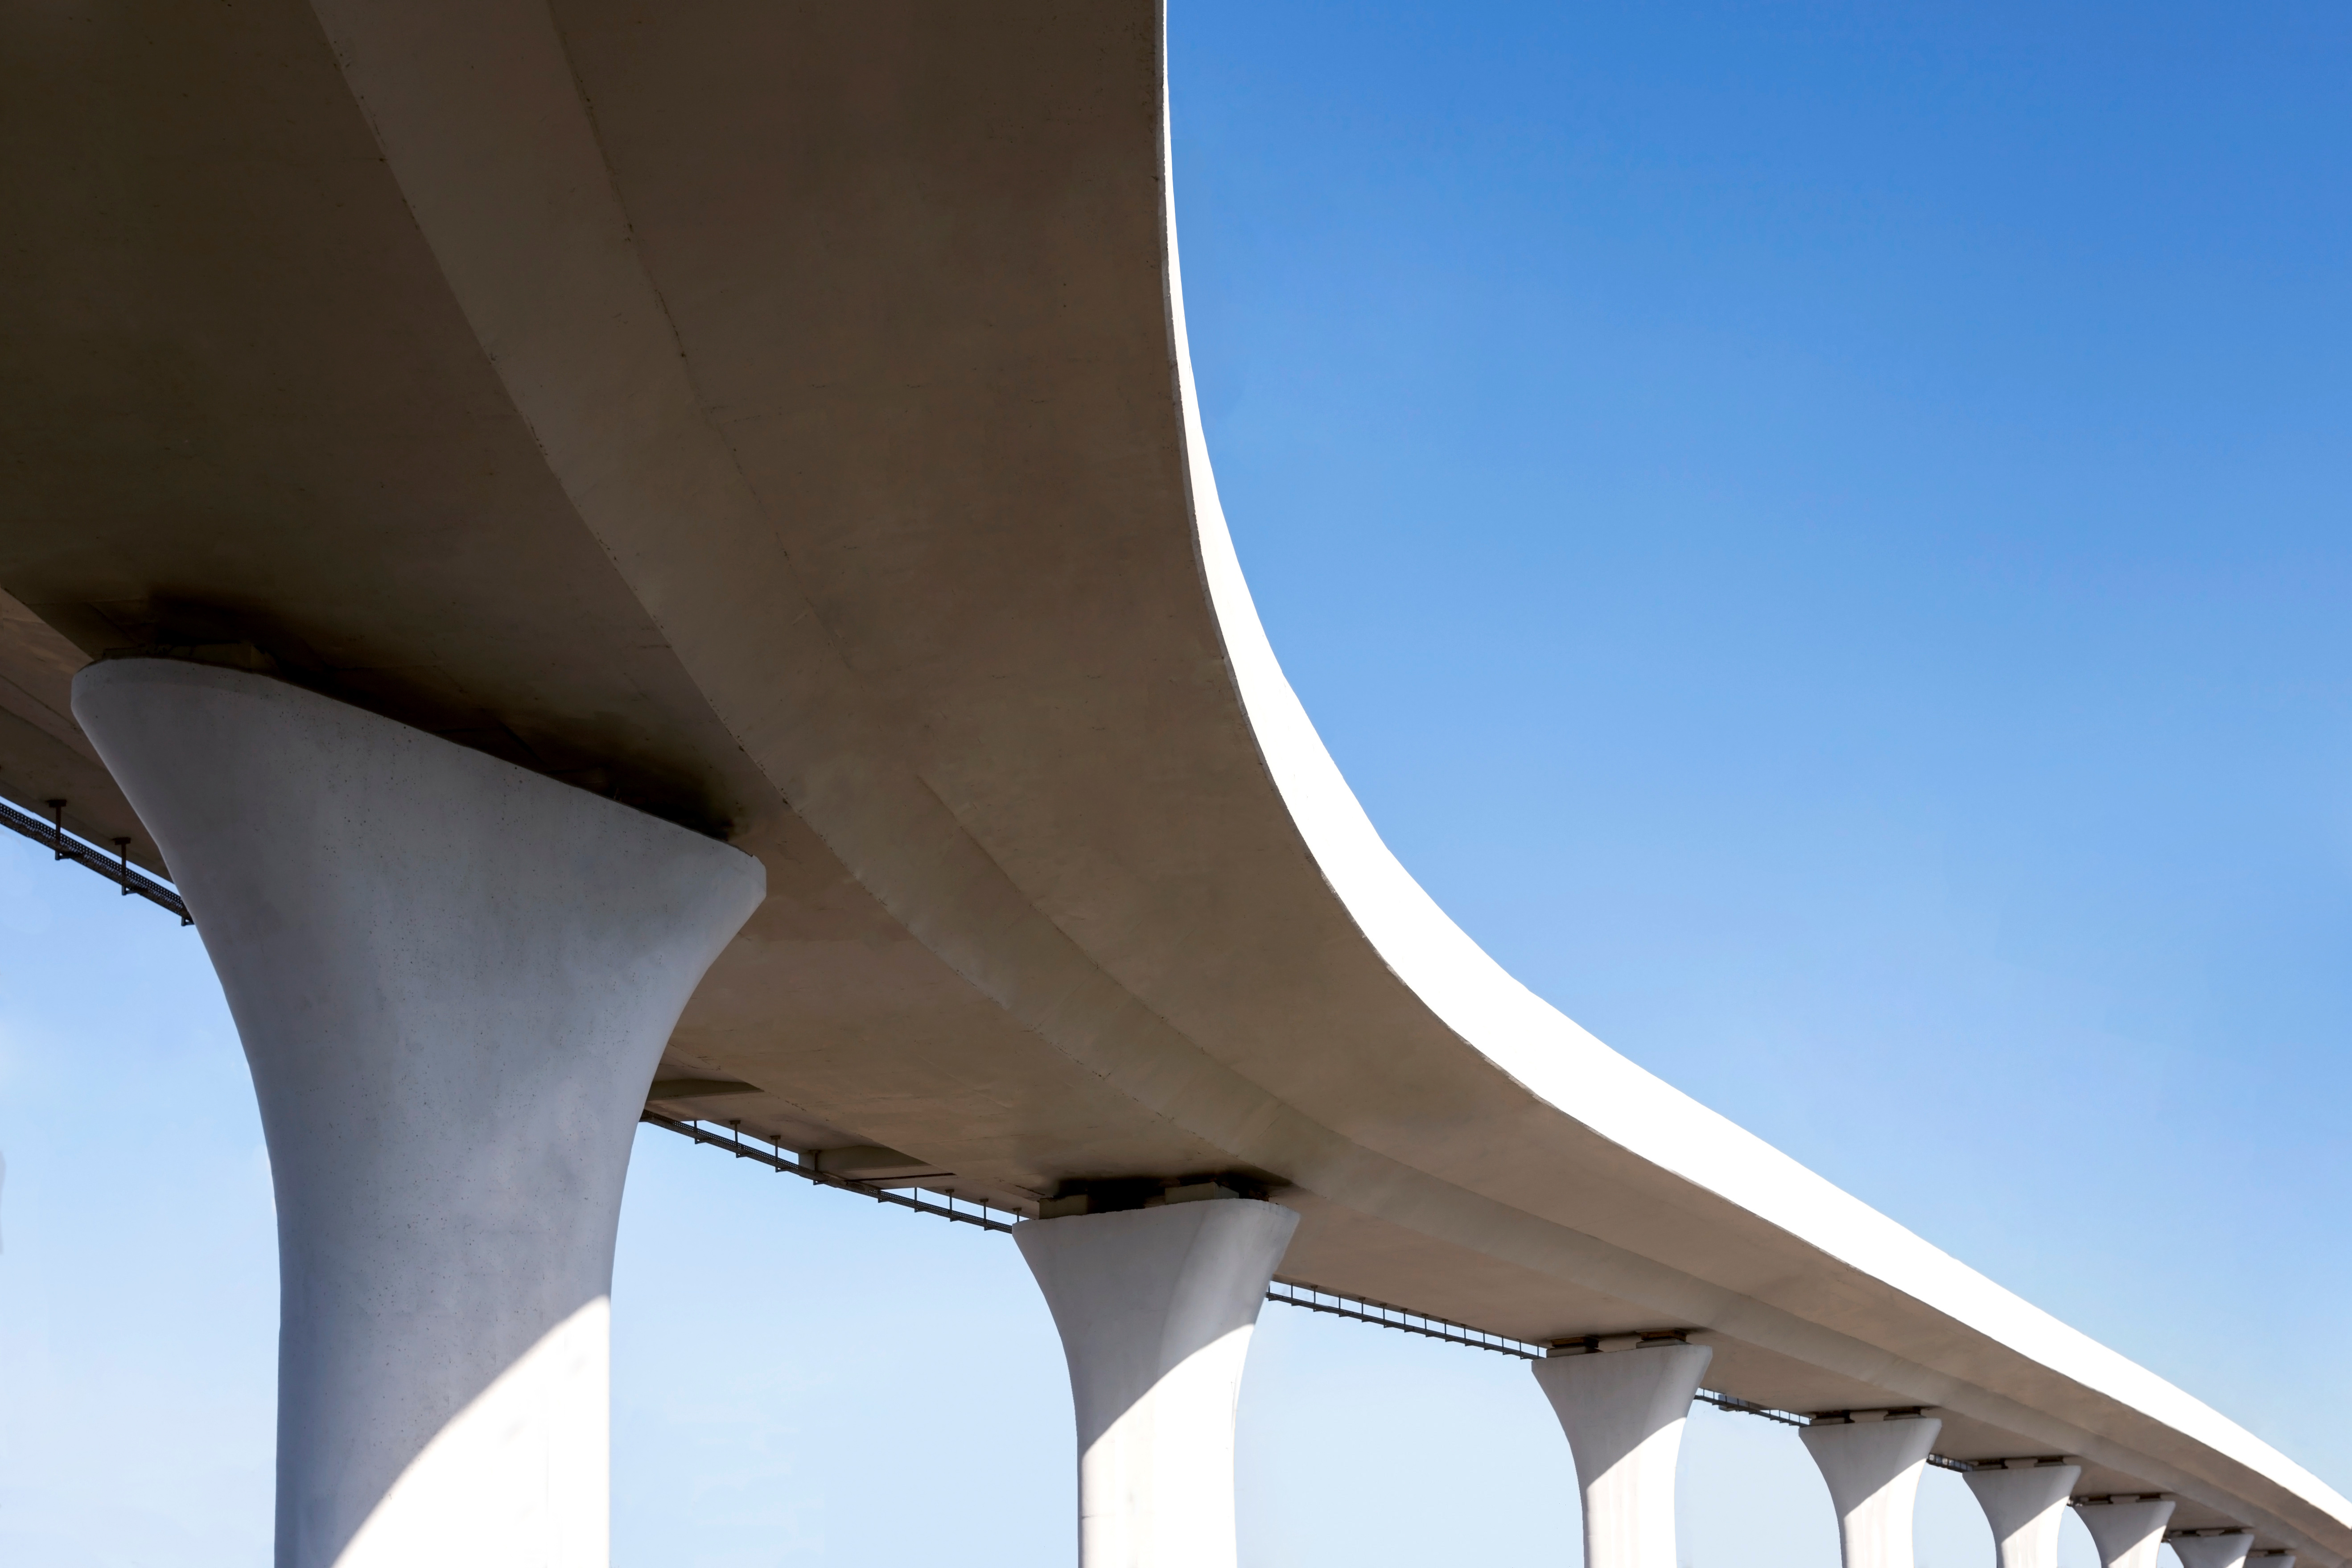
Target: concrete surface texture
x=2219 y=1549
x=2128 y=1534
x=452 y=979
x=1873 y=1469
x=780 y=416
x=2024 y=1505
x=1624 y=1411
x=1155 y=1308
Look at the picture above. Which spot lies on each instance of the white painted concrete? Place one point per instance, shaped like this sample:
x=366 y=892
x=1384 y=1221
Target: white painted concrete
x=520 y=1475
x=1155 y=1306
x=2228 y=1550
x=452 y=980
x=2025 y=1507
x=1623 y=1412
x=1872 y=1469
x=2128 y=1534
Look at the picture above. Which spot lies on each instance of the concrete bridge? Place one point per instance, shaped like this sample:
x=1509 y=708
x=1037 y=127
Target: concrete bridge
x=623 y=558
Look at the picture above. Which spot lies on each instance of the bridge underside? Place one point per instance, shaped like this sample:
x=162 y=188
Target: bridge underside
x=773 y=416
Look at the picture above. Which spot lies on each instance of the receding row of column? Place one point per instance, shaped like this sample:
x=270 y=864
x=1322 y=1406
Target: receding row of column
x=1623 y=1415
x=1156 y=1304
x=454 y=979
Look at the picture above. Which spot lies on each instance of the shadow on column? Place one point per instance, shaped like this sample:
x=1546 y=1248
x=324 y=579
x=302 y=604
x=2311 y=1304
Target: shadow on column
x=452 y=980
x=1872 y=1463
x=1155 y=1308
x=2024 y=1501
x=1624 y=1411
x=2212 y=1548
x=2128 y=1531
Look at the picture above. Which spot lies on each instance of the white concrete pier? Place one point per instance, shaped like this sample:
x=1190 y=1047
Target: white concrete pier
x=2128 y=1531
x=1155 y=1308
x=452 y=980
x=1624 y=1410
x=2024 y=1501
x=1872 y=1467
x=2211 y=1548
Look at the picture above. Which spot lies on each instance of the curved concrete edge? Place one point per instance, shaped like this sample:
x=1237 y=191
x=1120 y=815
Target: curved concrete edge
x=452 y=980
x=1565 y=1065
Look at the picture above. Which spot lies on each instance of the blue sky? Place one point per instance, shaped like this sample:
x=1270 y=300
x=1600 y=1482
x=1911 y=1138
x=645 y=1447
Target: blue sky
x=1819 y=533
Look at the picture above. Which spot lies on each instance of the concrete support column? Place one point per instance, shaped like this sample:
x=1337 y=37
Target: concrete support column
x=2024 y=1500
x=2212 y=1548
x=1623 y=1412
x=1872 y=1469
x=452 y=980
x=2128 y=1531
x=1155 y=1306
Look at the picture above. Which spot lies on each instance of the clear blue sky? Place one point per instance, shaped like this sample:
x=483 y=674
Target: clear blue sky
x=1821 y=533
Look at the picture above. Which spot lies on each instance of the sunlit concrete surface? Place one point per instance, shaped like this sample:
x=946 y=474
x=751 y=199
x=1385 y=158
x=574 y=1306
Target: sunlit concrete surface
x=1873 y=1469
x=1155 y=1306
x=778 y=418
x=2128 y=1534
x=1623 y=1408
x=452 y=979
x=2024 y=1503
x=2212 y=1548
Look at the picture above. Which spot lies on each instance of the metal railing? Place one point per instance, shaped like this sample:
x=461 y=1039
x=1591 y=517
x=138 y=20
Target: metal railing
x=117 y=869
x=1290 y=1292
x=1382 y=1314
x=775 y=1158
